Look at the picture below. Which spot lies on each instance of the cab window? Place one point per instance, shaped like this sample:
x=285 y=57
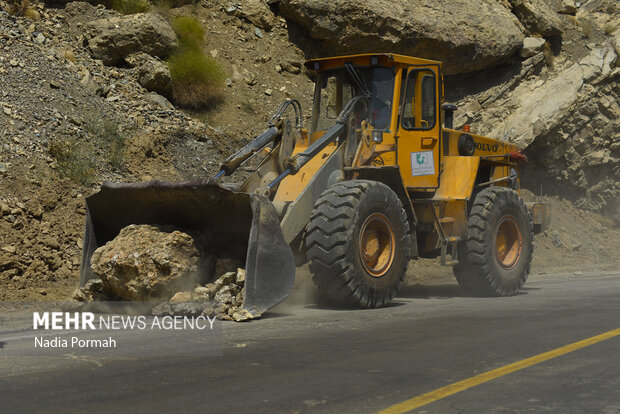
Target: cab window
x=418 y=110
x=328 y=102
x=334 y=89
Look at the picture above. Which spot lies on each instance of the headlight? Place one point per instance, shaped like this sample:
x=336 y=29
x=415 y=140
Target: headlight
x=377 y=136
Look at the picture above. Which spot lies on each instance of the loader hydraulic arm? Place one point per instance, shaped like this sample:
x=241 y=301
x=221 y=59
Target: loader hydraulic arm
x=299 y=160
x=230 y=165
x=332 y=134
x=233 y=162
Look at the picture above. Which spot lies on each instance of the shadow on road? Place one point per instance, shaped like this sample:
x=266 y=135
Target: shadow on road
x=418 y=291
x=335 y=306
x=444 y=291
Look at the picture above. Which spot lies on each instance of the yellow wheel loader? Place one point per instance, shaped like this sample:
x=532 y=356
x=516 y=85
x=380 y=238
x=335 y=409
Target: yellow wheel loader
x=377 y=180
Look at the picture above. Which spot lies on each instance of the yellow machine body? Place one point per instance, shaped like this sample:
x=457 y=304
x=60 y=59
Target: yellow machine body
x=376 y=118
x=438 y=179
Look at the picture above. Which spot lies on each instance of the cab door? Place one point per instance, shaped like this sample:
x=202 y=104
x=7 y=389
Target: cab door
x=418 y=129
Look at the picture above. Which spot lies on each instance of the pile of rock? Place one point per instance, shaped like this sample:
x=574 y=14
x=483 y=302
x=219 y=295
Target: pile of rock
x=222 y=299
x=146 y=262
x=38 y=247
x=92 y=291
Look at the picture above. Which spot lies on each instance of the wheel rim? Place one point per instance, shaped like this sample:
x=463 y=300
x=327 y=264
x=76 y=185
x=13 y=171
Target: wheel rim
x=377 y=244
x=508 y=242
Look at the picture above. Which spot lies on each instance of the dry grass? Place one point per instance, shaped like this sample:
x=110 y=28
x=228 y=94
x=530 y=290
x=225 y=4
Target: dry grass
x=611 y=27
x=79 y=158
x=587 y=27
x=196 y=95
x=75 y=159
x=111 y=139
x=249 y=107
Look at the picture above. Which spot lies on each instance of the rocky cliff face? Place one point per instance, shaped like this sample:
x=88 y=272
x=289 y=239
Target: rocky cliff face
x=467 y=35
x=568 y=122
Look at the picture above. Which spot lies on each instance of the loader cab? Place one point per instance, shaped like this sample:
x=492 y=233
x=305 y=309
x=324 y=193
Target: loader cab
x=403 y=111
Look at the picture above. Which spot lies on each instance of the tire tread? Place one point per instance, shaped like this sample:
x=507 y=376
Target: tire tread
x=329 y=234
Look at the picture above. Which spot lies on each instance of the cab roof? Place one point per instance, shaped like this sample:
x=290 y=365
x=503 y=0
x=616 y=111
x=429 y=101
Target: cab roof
x=384 y=59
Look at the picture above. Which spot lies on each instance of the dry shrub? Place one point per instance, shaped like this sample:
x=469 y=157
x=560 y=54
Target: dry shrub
x=110 y=138
x=196 y=96
x=78 y=158
x=611 y=27
x=75 y=159
x=249 y=107
x=169 y=4
x=587 y=27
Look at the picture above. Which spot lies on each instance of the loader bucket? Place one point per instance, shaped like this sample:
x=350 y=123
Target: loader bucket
x=240 y=226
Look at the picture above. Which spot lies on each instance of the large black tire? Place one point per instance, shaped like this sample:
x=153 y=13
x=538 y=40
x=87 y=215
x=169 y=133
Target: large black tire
x=495 y=258
x=348 y=216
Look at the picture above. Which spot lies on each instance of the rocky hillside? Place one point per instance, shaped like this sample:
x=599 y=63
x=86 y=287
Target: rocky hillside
x=85 y=96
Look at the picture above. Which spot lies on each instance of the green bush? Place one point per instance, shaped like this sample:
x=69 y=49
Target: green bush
x=189 y=31
x=131 y=6
x=195 y=66
x=197 y=79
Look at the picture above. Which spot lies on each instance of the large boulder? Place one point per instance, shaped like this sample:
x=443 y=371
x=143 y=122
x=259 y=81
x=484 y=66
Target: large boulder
x=152 y=73
x=466 y=35
x=537 y=17
x=115 y=38
x=254 y=11
x=532 y=46
x=145 y=262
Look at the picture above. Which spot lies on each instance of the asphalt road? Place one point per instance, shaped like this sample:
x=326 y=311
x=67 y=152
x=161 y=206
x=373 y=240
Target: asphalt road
x=304 y=358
